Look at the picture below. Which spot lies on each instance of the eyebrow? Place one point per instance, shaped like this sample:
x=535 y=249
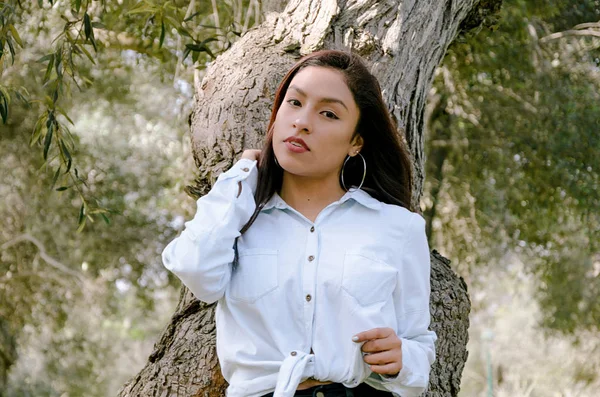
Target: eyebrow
x=327 y=100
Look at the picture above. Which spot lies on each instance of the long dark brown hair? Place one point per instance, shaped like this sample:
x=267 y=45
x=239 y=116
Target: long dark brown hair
x=389 y=175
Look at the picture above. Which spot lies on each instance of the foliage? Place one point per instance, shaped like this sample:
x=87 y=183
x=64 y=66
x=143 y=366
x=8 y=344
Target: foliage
x=512 y=154
x=164 y=30
x=74 y=304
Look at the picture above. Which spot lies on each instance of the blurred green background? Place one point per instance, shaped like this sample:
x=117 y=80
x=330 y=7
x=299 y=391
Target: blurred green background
x=95 y=158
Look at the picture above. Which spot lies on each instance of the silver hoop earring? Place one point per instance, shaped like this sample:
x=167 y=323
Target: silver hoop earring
x=276 y=162
x=364 y=172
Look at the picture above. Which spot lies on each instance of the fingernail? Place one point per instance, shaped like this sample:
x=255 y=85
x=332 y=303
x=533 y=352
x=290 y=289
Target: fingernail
x=355 y=338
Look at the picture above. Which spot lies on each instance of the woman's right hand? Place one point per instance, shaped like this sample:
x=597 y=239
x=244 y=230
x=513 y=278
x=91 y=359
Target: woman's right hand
x=252 y=154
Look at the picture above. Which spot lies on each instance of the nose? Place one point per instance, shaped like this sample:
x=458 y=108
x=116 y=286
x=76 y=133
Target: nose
x=302 y=123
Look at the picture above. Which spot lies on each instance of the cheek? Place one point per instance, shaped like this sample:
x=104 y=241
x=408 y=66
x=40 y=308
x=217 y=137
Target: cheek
x=337 y=139
x=278 y=123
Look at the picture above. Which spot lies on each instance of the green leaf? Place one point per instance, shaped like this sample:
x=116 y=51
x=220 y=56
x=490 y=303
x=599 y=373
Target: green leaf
x=87 y=25
x=62 y=111
x=195 y=47
x=58 y=63
x=49 y=68
x=184 y=32
x=142 y=8
x=186 y=52
x=37 y=130
x=87 y=54
x=4 y=102
x=3 y=108
x=81 y=219
x=162 y=34
x=12 y=50
x=45 y=58
x=77 y=5
x=66 y=130
x=23 y=99
x=48 y=139
x=15 y=35
x=192 y=16
x=6 y=94
x=208 y=40
x=55 y=178
x=105 y=219
x=65 y=150
x=201 y=47
x=98 y=25
x=62 y=188
x=172 y=21
x=93 y=40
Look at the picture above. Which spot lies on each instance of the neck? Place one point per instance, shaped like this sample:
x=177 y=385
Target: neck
x=310 y=195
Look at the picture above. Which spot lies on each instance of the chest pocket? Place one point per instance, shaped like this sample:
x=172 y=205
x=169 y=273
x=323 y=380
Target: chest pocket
x=367 y=279
x=255 y=276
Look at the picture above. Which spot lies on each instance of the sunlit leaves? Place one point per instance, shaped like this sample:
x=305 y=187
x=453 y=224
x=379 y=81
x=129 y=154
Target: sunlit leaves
x=163 y=30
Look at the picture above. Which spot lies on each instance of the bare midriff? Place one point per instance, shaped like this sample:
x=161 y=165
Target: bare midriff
x=310 y=382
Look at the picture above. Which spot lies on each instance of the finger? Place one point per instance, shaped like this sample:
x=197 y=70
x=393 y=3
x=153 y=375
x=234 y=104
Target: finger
x=382 y=358
x=375 y=333
x=387 y=369
x=377 y=345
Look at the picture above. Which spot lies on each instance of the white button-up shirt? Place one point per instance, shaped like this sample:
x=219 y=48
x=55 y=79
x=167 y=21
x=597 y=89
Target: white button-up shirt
x=303 y=286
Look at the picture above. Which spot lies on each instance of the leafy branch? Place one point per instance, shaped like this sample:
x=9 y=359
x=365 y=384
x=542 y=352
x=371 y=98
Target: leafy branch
x=83 y=37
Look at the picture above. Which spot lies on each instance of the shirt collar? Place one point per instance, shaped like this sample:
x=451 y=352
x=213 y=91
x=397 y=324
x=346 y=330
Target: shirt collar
x=358 y=195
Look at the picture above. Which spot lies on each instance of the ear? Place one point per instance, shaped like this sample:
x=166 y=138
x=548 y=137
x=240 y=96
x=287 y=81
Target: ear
x=357 y=144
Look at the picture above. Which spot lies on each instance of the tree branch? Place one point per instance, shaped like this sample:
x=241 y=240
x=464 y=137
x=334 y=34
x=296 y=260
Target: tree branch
x=567 y=33
x=42 y=252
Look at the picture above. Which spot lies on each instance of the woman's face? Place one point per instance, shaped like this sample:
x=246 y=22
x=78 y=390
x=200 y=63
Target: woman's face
x=315 y=123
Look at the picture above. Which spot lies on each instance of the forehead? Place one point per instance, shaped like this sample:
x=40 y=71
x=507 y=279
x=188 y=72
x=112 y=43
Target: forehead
x=321 y=81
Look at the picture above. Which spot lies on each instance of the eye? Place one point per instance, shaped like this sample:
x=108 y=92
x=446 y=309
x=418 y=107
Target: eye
x=330 y=115
x=294 y=102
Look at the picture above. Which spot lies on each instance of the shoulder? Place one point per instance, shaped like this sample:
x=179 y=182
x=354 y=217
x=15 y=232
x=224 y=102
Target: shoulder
x=390 y=218
x=401 y=217
x=401 y=224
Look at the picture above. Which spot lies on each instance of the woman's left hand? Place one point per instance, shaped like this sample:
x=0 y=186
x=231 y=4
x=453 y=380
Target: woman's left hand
x=384 y=350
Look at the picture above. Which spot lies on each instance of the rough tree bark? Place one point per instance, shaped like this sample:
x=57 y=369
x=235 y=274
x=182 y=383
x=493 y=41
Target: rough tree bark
x=404 y=41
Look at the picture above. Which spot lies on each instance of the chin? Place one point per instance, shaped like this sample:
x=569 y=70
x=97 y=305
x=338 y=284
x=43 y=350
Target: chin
x=292 y=165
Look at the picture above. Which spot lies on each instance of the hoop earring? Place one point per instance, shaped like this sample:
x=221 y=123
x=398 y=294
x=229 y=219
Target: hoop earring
x=276 y=162
x=364 y=172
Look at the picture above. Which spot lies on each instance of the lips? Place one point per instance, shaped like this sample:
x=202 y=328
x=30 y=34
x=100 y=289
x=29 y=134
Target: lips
x=295 y=141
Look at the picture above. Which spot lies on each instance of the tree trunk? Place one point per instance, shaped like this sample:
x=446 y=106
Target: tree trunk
x=404 y=41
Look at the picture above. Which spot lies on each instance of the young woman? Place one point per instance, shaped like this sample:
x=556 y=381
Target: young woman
x=320 y=269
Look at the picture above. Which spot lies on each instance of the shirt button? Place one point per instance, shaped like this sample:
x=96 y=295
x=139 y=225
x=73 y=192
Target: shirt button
x=312 y=229
x=320 y=394
x=308 y=298
x=311 y=258
x=293 y=353
x=245 y=169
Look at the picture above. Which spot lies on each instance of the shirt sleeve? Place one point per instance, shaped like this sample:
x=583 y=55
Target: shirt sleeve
x=202 y=255
x=418 y=342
